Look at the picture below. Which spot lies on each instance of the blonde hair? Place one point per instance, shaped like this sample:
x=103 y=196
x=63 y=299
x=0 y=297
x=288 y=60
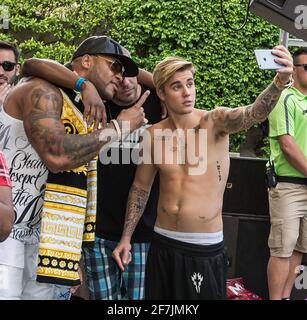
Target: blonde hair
x=166 y=68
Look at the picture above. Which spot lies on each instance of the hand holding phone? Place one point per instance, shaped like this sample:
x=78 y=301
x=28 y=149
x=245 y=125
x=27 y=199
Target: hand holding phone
x=265 y=60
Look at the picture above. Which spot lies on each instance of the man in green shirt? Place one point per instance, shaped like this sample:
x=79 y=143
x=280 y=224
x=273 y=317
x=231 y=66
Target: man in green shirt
x=288 y=199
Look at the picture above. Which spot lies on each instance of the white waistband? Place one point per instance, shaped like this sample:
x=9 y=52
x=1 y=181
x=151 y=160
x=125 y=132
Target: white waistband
x=192 y=237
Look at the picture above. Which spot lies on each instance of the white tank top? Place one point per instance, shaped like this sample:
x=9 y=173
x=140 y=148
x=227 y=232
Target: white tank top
x=28 y=174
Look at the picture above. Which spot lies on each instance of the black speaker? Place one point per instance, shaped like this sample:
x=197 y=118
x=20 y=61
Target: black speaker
x=246 y=240
x=248 y=253
x=289 y=15
x=253 y=254
x=246 y=192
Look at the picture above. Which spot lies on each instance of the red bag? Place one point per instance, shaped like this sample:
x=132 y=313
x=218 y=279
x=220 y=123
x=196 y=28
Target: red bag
x=236 y=291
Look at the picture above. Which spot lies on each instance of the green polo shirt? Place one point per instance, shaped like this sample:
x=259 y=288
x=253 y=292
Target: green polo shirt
x=288 y=117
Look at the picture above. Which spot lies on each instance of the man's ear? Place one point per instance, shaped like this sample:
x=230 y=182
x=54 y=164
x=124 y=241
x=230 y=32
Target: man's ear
x=294 y=73
x=86 y=61
x=161 y=94
x=18 y=70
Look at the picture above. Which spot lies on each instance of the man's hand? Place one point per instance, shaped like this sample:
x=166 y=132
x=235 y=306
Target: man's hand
x=230 y=120
x=74 y=289
x=135 y=115
x=122 y=255
x=94 y=108
x=4 y=90
x=283 y=57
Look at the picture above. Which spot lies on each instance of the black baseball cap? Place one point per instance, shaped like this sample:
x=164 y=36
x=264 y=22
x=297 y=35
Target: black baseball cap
x=105 y=45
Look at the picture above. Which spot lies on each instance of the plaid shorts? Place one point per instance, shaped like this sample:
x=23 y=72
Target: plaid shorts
x=104 y=278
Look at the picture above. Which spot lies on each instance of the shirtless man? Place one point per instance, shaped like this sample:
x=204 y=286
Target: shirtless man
x=187 y=258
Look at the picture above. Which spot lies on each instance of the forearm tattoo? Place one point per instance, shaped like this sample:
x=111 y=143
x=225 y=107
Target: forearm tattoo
x=46 y=130
x=242 y=118
x=135 y=207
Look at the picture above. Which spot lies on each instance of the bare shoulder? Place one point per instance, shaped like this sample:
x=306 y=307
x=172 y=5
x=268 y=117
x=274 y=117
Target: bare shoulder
x=40 y=94
x=163 y=124
x=221 y=116
x=218 y=113
x=28 y=87
x=21 y=97
x=33 y=82
x=208 y=116
x=200 y=113
x=39 y=84
x=216 y=119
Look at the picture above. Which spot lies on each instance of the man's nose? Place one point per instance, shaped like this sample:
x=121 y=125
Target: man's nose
x=186 y=91
x=124 y=83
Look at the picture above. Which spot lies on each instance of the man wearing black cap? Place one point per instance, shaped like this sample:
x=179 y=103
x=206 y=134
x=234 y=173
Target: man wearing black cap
x=47 y=129
x=105 y=280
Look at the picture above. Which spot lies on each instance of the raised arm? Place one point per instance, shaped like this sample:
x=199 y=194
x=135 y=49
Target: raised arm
x=54 y=72
x=137 y=200
x=228 y=120
x=51 y=71
x=42 y=107
x=145 y=78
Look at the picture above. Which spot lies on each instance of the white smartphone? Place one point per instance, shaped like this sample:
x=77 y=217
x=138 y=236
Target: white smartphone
x=265 y=60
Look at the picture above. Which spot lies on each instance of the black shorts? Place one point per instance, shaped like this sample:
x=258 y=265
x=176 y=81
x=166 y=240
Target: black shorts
x=180 y=270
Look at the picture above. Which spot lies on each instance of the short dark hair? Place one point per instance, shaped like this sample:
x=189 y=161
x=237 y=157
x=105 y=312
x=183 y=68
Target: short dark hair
x=10 y=46
x=298 y=53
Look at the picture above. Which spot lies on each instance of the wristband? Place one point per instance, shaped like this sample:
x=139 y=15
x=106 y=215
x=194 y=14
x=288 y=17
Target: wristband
x=79 y=83
x=281 y=85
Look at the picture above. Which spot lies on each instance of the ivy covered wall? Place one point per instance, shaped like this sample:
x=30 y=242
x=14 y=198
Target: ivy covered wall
x=227 y=73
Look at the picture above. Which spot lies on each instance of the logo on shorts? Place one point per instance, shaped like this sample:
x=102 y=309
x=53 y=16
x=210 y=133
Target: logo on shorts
x=197 y=279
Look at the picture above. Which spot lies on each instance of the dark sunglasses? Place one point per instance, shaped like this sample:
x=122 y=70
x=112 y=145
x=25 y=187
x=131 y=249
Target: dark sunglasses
x=302 y=65
x=8 y=66
x=115 y=66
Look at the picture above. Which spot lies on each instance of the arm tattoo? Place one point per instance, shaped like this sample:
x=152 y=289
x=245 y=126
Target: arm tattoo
x=135 y=207
x=46 y=131
x=80 y=149
x=230 y=120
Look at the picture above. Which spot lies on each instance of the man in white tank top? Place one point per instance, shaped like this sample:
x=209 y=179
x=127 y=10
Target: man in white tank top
x=34 y=141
